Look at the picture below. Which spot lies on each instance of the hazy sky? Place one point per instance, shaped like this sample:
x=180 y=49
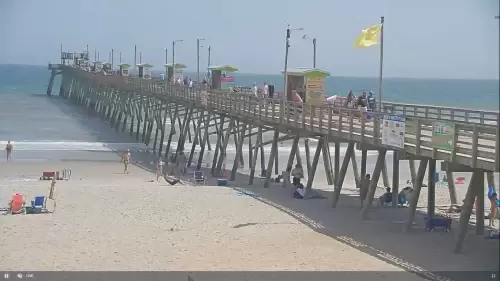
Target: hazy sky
x=424 y=38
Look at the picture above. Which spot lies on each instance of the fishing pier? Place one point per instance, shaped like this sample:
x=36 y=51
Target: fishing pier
x=144 y=108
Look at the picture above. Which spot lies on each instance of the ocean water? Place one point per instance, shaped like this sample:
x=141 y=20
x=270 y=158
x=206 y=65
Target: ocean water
x=35 y=122
x=476 y=94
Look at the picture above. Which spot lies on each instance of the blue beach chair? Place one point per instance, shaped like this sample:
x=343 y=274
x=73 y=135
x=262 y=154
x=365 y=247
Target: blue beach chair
x=198 y=177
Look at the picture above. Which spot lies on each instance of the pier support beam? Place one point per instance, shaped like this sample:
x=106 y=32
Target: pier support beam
x=239 y=153
x=51 y=83
x=218 y=144
x=327 y=161
x=308 y=154
x=451 y=187
x=255 y=153
x=223 y=153
x=480 y=203
x=417 y=186
x=466 y=210
x=339 y=179
x=431 y=189
x=274 y=152
x=172 y=130
x=206 y=120
x=395 y=179
x=312 y=173
x=367 y=204
x=364 y=156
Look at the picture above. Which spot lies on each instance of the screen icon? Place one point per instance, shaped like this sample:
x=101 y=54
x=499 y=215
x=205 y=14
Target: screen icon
x=6 y=276
x=20 y=275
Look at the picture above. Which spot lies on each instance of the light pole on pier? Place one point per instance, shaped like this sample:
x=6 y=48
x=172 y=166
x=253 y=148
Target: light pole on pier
x=120 y=57
x=140 y=57
x=173 y=56
x=285 y=71
x=166 y=56
x=135 y=59
x=306 y=37
x=198 y=58
x=112 y=59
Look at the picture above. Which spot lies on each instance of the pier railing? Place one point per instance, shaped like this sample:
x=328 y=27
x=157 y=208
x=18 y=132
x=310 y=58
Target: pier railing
x=443 y=113
x=474 y=144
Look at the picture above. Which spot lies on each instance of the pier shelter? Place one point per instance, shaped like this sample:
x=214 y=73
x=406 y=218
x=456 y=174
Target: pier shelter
x=124 y=69
x=106 y=67
x=219 y=75
x=144 y=70
x=308 y=83
x=179 y=69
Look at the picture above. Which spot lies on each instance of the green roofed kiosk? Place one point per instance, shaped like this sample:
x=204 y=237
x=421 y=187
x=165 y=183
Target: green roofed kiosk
x=217 y=74
x=124 y=69
x=106 y=67
x=144 y=70
x=170 y=76
x=309 y=84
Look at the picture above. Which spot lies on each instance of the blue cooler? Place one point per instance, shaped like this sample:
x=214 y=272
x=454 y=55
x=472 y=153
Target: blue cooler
x=222 y=182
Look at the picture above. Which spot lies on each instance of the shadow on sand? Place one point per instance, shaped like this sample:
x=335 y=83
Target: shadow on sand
x=427 y=254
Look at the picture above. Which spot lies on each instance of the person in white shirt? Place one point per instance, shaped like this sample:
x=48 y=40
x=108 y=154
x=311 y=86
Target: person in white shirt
x=255 y=90
x=266 y=90
x=297 y=174
x=190 y=83
x=159 y=169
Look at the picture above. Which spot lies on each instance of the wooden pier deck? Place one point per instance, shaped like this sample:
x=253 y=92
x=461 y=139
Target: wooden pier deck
x=118 y=99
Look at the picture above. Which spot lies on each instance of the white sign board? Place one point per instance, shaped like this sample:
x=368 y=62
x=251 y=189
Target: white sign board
x=393 y=131
x=178 y=75
x=146 y=73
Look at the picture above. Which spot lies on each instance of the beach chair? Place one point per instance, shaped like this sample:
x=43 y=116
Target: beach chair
x=198 y=177
x=38 y=205
x=16 y=205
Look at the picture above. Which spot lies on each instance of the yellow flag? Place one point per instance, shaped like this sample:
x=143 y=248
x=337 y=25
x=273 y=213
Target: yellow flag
x=368 y=37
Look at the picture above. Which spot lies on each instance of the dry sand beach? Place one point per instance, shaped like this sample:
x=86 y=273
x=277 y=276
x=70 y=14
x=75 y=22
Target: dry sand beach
x=107 y=220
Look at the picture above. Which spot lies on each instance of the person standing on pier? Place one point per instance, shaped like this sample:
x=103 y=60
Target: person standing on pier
x=8 y=150
x=371 y=101
x=255 y=90
x=266 y=91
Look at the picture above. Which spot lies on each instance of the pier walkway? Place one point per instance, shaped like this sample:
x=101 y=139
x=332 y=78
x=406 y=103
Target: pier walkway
x=123 y=101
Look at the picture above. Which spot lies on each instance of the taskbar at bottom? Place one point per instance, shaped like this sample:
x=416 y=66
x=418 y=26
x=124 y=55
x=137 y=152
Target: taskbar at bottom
x=249 y=276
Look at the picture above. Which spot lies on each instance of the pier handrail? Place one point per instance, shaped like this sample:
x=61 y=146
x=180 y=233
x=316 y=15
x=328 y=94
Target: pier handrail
x=474 y=145
x=488 y=117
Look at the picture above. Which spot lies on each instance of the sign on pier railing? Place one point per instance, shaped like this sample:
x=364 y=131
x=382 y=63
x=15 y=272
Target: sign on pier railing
x=443 y=135
x=393 y=131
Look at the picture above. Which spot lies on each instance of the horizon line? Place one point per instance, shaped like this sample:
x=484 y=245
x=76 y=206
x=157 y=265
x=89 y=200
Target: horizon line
x=278 y=74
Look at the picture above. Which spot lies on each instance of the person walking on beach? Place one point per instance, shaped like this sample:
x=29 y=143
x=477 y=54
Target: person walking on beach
x=181 y=163
x=297 y=174
x=493 y=208
x=363 y=190
x=125 y=160
x=159 y=169
x=8 y=150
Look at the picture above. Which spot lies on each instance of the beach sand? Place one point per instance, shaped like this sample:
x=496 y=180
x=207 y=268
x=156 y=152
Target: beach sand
x=106 y=220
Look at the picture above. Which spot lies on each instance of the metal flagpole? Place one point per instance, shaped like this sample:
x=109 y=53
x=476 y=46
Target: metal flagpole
x=135 y=59
x=381 y=65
